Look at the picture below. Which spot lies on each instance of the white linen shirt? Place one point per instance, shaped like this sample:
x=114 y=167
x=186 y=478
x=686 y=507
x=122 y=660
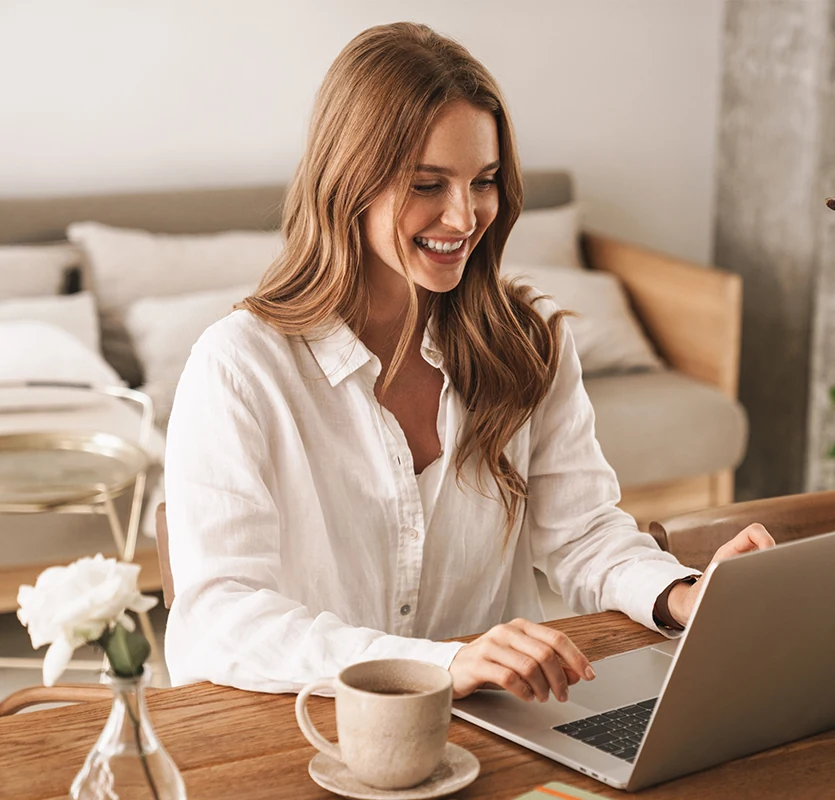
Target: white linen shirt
x=301 y=540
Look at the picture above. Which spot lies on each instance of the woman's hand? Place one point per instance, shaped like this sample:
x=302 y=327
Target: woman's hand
x=522 y=657
x=682 y=598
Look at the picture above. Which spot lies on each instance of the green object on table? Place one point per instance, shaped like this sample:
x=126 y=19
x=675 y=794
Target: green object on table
x=559 y=790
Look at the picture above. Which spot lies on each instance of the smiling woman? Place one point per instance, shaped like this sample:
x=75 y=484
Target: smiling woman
x=373 y=453
x=455 y=199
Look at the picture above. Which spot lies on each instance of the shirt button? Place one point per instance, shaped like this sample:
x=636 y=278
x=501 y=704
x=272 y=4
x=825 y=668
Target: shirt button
x=413 y=534
x=405 y=610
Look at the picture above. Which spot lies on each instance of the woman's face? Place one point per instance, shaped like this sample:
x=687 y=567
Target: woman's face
x=452 y=199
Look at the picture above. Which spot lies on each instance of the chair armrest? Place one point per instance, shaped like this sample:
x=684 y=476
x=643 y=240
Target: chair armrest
x=60 y=693
x=692 y=313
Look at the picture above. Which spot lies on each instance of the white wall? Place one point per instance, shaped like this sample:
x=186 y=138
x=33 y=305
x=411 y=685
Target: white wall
x=101 y=95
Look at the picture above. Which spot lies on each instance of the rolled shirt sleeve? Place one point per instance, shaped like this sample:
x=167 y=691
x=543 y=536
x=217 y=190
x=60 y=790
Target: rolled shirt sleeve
x=590 y=550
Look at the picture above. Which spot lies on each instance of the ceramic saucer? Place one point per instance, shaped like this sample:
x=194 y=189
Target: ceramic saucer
x=458 y=768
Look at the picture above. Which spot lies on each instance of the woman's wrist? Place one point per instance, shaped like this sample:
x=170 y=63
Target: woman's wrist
x=678 y=603
x=672 y=608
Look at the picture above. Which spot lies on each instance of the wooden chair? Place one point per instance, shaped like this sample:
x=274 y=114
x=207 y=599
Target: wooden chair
x=162 y=554
x=60 y=693
x=693 y=538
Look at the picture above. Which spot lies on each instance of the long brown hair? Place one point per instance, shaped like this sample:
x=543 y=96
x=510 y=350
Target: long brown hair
x=373 y=112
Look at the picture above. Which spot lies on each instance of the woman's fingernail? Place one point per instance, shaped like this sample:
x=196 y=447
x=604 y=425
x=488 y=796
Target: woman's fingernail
x=589 y=673
x=563 y=696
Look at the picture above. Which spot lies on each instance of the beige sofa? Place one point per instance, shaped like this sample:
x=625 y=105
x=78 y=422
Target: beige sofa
x=674 y=437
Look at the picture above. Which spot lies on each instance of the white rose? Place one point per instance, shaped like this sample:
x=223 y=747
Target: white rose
x=70 y=606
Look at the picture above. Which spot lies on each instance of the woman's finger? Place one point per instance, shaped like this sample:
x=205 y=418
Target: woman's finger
x=490 y=672
x=523 y=664
x=561 y=644
x=571 y=675
x=754 y=537
x=547 y=659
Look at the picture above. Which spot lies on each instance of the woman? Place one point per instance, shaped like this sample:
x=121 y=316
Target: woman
x=374 y=452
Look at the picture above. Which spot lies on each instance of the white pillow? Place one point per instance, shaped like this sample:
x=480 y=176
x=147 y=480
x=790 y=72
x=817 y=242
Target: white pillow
x=74 y=313
x=44 y=352
x=126 y=265
x=163 y=330
x=609 y=338
x=546 y=236
x=35 y=270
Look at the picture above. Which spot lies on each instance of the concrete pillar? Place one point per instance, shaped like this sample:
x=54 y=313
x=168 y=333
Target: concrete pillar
x=770 y=217
x=820 y=454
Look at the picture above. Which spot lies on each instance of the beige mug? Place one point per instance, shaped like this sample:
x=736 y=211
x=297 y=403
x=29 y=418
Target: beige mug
x=392 y=720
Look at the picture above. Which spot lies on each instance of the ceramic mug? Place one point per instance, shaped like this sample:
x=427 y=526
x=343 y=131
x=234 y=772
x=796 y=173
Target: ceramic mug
x=392 y=720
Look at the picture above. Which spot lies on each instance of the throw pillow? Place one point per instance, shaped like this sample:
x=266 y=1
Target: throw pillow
x=73 y=313
x=163 y=330
x=35 y=270
x=608 y=336
x=546 y=236
x=45 y=352
x=126 y=265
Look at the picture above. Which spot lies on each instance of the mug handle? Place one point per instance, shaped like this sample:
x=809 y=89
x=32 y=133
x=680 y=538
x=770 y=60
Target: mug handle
x=303 y=718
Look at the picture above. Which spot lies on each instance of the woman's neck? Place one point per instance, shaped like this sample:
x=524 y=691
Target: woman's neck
x=388 y=309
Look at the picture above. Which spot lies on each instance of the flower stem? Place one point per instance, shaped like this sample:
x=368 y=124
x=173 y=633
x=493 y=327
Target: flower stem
x=142 y=756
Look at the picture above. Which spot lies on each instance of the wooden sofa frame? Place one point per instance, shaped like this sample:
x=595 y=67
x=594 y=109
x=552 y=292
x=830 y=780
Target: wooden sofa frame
x=693 y=314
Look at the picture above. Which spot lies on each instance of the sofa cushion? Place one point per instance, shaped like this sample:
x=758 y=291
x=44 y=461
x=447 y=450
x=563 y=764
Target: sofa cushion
x=125 y=265
x=608 y=335
x=35 y=270
x=546 y=236
x=662 y=426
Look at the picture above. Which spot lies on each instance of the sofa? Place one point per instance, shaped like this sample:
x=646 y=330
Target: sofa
x=673 y=432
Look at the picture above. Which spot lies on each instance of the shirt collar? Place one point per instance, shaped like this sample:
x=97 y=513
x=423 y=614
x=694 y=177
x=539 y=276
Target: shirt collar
x=429 y=349
x=339 y=352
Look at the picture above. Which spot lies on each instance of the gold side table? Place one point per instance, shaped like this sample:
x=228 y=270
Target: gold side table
x=79 y=472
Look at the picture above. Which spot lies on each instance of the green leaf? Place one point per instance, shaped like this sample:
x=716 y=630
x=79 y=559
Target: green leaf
x=126 y=651
x=831 y=452
x=832 y=395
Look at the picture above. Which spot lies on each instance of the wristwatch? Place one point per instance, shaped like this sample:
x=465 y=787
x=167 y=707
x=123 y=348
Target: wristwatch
x=661 y=615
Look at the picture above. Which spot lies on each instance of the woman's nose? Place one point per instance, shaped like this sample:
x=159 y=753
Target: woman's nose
x=459 y=212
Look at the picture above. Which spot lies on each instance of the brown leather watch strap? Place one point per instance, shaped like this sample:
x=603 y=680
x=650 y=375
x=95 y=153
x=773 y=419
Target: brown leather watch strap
x=661 y=611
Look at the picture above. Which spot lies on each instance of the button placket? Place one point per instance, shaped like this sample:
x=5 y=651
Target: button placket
x=409 y=521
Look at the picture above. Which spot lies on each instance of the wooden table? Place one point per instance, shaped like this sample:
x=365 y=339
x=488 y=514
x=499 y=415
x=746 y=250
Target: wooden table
x=245 y=746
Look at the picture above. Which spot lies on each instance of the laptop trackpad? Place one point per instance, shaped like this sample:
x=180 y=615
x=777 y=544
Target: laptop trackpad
x=623 y=679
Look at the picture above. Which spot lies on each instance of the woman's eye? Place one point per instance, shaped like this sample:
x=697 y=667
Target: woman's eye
x=426 y=188
x=485 y=184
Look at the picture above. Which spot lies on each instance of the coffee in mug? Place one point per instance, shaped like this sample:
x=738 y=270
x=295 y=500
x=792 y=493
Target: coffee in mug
x=392 y=720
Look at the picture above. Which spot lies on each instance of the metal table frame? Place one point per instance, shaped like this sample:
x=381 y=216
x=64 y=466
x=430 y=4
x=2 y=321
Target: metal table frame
x=98 y=499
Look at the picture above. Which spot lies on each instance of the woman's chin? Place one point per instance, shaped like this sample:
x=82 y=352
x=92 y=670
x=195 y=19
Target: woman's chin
x=439 y=284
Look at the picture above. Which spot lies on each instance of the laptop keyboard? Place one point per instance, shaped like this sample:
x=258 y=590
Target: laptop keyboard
x=617 y=732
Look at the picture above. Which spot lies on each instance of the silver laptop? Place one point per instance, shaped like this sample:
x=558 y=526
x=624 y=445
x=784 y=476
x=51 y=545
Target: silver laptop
x=755 y=669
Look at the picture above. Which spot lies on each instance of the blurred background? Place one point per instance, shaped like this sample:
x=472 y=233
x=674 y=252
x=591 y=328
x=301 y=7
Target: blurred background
x=701 y=129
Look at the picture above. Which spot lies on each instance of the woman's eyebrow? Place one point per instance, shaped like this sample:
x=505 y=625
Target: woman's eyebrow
x=444 y=171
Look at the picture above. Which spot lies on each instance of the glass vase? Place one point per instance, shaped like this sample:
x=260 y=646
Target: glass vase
x=128 y=762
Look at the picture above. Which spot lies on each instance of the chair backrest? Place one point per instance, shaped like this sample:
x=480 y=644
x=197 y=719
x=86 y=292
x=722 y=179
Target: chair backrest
x=60 y=693
x=162 y=554
x=693 y=538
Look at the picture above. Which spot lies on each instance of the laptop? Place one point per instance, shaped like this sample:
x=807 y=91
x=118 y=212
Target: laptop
x=754 y=669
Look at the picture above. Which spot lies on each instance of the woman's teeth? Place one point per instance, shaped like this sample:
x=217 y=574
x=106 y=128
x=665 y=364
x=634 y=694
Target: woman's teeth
x=439 y=247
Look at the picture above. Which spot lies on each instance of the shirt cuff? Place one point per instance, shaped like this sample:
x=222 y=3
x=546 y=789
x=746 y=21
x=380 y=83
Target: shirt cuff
x=440 y=653
x=638 y=585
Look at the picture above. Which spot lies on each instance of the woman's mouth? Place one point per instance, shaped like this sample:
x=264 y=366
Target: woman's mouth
x=443 y=252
